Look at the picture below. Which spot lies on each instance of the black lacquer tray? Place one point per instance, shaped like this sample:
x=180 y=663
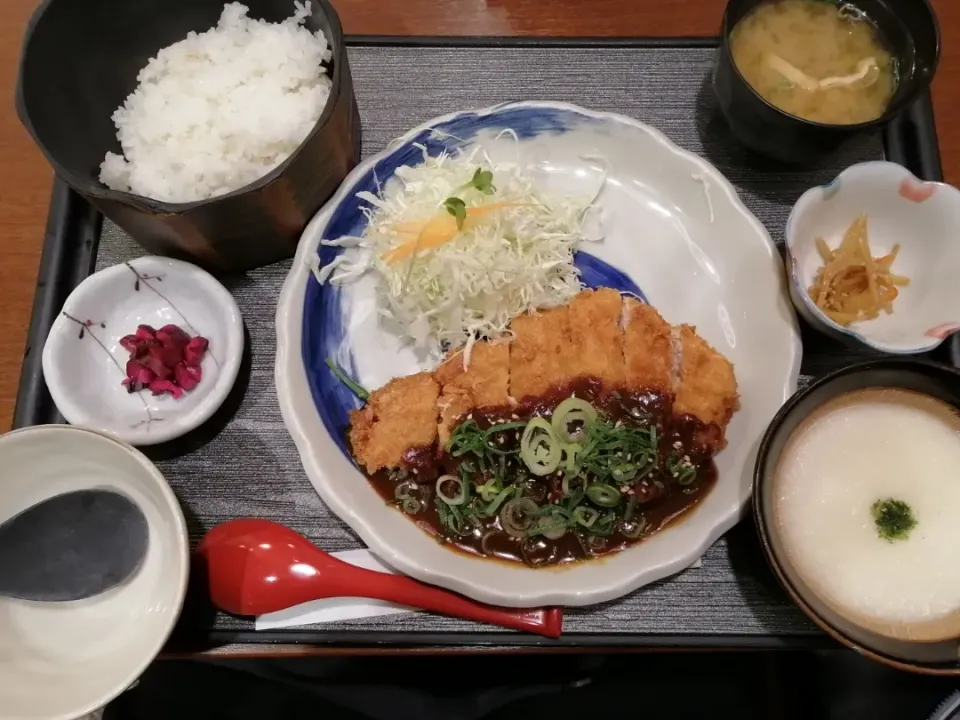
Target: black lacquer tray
x=243 y=463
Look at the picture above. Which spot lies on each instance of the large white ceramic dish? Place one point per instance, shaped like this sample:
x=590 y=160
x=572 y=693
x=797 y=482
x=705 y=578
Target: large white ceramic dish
x=674 y=229
x=59 y=661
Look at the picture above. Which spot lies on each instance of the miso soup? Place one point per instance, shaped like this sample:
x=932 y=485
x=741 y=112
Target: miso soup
x=818 y=60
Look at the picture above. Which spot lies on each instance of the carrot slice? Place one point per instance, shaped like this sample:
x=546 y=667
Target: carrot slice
x=438 y=230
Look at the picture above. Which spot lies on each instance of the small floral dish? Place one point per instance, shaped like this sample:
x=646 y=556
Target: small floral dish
x=921 y=217
x=144 y=351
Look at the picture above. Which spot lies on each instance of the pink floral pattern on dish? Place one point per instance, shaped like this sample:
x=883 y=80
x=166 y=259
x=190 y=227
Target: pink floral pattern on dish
x=916 y=191
x=941 y=331
x=831 y=189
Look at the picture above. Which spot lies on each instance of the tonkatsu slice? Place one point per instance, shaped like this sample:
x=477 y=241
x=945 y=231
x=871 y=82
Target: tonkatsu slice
x=397 y=417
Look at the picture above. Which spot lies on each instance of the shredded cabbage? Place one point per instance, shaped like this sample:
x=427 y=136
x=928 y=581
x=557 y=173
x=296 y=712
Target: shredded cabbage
x=515 y=258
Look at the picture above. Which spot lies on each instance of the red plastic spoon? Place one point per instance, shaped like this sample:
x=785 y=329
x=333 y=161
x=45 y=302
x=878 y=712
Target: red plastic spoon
x=259 y=566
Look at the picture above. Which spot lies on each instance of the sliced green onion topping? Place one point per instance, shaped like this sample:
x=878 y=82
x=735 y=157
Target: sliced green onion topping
x=403 y=490
x=411 y=505
x=501 y=497
x=572 y=410
x=571 y=458
x=687 y=476
x=632 y=529
x=682 y=470
x=456 y=498
x=585 y=516
x=552 y=524
x=539 y=448
x=489 y=490
x=573 y=485
x=517 y=516
x=603 y=495
x=624 y=472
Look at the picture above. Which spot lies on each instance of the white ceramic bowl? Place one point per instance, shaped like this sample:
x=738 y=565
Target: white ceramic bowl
x=83 y=364
x=675 y=231
x=59 y=661
x=922 y=217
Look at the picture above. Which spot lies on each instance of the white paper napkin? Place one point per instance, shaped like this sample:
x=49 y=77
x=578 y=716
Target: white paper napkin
x=334 y=609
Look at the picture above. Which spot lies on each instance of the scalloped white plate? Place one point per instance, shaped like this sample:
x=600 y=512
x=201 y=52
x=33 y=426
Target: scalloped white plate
x=674 y=228
x=901 y=209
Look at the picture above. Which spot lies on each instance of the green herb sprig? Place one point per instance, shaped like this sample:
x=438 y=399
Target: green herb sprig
x=355 y=387
x=482 y=181
x=456 y=207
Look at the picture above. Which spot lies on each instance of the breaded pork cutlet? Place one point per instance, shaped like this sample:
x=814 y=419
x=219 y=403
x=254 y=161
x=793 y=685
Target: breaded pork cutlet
x=539 y=355
x=399 y=416
x=485 y=383
x=595 y=338
x=623 y=342
x=708 y=387
x=648 y=350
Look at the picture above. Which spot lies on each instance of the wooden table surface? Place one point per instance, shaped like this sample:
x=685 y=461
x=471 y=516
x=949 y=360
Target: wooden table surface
x=25 y=179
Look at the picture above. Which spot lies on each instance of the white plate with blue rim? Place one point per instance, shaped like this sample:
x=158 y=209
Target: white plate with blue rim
x=674 y=234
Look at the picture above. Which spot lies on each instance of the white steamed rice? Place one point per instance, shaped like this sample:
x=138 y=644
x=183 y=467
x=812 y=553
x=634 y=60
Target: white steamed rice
x=220 y=109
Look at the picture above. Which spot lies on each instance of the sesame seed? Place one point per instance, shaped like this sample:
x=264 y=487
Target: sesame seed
x=514 y=416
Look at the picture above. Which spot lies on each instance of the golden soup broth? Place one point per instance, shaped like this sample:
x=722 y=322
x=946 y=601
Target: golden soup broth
x=817 y=60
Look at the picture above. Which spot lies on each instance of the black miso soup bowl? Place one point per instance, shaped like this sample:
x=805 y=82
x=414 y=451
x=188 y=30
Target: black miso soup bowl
x=80 y=61
x=939 y=381
x=909 y=27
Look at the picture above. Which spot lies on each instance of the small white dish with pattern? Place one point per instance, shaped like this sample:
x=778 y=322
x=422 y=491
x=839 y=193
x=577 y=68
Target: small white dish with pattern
x=921 y=217
x=84 y=363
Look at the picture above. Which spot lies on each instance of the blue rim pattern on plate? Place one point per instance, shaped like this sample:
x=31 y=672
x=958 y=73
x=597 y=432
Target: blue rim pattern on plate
x=323 y=326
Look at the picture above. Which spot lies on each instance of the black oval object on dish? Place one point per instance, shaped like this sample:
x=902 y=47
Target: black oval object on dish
x=80 y=61
x=928 y=378
x=908 y=26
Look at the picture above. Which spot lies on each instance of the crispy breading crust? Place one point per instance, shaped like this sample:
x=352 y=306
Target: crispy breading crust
x=539 y=357
x=484 y=384
x=708 y=386
x=648 y=350
x=595 y=342
x=399 y=416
